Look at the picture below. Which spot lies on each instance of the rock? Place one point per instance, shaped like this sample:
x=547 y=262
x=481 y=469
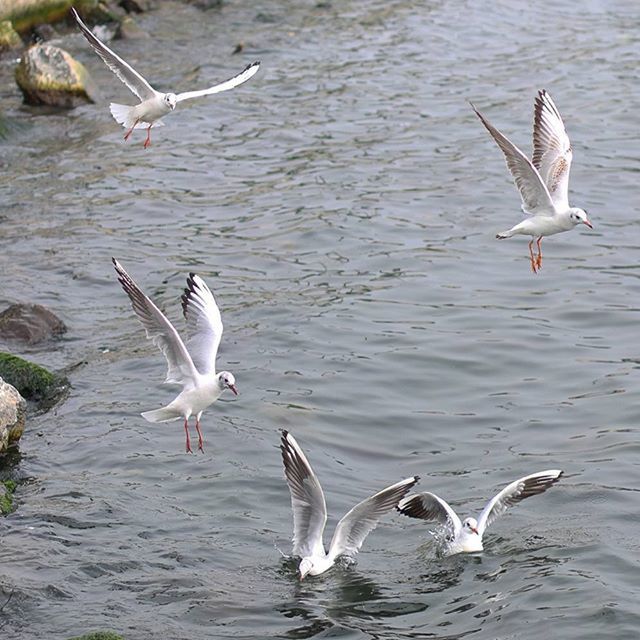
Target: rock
x=25 y=14
x=9 y=38
x=12 y=414
x=30 y=323
x=136 y=6
x=43 y=33
x=208 y=4
x=49 y=75
x=99 y=635
x=33 y=382
x=128 y=29
x=7 y=489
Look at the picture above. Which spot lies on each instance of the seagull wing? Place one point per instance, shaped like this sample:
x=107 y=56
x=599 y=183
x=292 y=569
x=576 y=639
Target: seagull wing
x=364 y=517
x=534 y=193
x=428 y=506
x=515 y=492
x=159 y=330
x=552 y=153
x=243 y=76
x=127 y=74
x=307 y=499
x=203 y=319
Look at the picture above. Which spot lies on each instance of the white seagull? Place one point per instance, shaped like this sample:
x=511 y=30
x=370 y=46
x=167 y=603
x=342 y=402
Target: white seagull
x=310 y=513
x=543 y=181
x=153 y=104
x=466 y=536
x=193 y=368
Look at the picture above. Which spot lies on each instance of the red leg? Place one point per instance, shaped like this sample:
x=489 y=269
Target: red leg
x=128 y=134
x=200 y=439
x=534 y=268
x=186 y=433
x=147 y=142
x=539 y=258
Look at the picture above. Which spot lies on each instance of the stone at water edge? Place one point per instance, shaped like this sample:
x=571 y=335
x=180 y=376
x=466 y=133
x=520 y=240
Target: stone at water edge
x=13 y=409
x=29 y=323
x=49 y=75
x=9 y=38
x=26 y=14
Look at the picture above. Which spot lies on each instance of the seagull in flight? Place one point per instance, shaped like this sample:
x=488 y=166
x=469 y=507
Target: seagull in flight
x=191 y=364
x=543 y=181
x=153 y=104
x=310 y=513
x=466 y=536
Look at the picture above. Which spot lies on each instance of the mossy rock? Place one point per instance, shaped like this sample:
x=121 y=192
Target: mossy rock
x=9 y=38
x=26 y=14
x=33 y=382
x=49 y=75
x=99 y=635
x=7 y=489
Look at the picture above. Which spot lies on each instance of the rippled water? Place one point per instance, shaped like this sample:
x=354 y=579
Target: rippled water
x=343 y=206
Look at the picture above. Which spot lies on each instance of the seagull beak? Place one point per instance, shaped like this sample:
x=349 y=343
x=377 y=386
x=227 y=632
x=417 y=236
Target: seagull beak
x=233 y=388
x=474 y=530
x=588 y=224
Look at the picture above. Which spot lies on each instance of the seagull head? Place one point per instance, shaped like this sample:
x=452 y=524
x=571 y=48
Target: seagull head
x=579 y=216
x=227 y=381
x=306 y=564
x=471 y=524
x=170 y=100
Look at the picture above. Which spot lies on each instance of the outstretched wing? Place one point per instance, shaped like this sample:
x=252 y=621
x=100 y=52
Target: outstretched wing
x=364 y=517
x=552 y=153
x=307 y=499
x=203 y=319
x=515 y=492
x=534 y=193
x=127 y=74
x=159 y=330
x=243 y=76
x=428 y=506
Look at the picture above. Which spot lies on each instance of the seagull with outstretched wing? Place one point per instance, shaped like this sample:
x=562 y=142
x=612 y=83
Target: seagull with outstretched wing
x=153 y=104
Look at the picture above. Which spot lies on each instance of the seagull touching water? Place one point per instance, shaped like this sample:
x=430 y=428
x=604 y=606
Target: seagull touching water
x=543 y=182
x=153 y=104
x=466 y=536
x=195 y=368
x=310 y=513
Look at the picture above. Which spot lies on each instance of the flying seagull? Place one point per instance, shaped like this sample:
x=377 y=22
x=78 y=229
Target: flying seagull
x=466 y=536
x=153 y=104
x=310 y=513
x=191 y=364
x=543 y=181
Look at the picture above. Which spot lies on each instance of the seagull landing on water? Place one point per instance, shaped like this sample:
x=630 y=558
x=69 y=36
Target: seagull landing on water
x=310 y=513
x=466 y=536
x=193 y=368
x=543 y=181
x=153 y=104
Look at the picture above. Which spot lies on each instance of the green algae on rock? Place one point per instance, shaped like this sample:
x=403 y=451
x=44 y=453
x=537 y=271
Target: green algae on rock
x=49 y=75
x=25 y=14
x=99 y=635
x=9 y=38
x=7 y=489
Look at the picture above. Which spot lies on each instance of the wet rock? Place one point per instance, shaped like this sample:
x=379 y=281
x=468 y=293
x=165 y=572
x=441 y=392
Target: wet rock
x=136 y=6
x=25 y=14
x=128 y=29
x=208 y=4
x=99 y=635
x=33 y=382
x=43 y=33
x=12 y=414
x=7 y=489
x=9 y=38
x=30 y=323
x=49 y=75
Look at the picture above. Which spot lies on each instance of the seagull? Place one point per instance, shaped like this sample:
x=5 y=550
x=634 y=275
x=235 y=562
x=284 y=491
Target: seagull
x=191 y=364
x=153 y=104
x=310 y=513
x=466 y=536
x=543 y=181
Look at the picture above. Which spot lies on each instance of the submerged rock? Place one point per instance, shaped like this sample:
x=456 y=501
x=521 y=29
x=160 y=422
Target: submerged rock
x=12 y=413
x=33 y=382
x=49 y=75
x=99 y=635
x=7 y=489
x=30 y=323
x=9 y=38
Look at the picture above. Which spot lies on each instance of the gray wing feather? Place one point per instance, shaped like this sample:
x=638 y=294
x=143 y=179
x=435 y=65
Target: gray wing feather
x=428 y=506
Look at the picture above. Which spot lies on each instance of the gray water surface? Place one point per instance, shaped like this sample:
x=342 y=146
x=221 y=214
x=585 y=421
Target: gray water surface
x=343 y=206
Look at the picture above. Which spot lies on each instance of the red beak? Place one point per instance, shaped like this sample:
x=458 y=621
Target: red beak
x=588 y=224
x=233 y=388
x=475 y=531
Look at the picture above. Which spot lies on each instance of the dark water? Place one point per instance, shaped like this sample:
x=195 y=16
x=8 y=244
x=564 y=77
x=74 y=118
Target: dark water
x=343 y=206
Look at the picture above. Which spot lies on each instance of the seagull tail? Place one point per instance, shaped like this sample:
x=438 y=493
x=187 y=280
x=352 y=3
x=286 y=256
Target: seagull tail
x=123 y=114
x=166 y=414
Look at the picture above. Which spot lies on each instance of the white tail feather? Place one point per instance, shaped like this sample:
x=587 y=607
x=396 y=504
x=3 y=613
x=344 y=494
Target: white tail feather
x=166 y=414
x=123 y=114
